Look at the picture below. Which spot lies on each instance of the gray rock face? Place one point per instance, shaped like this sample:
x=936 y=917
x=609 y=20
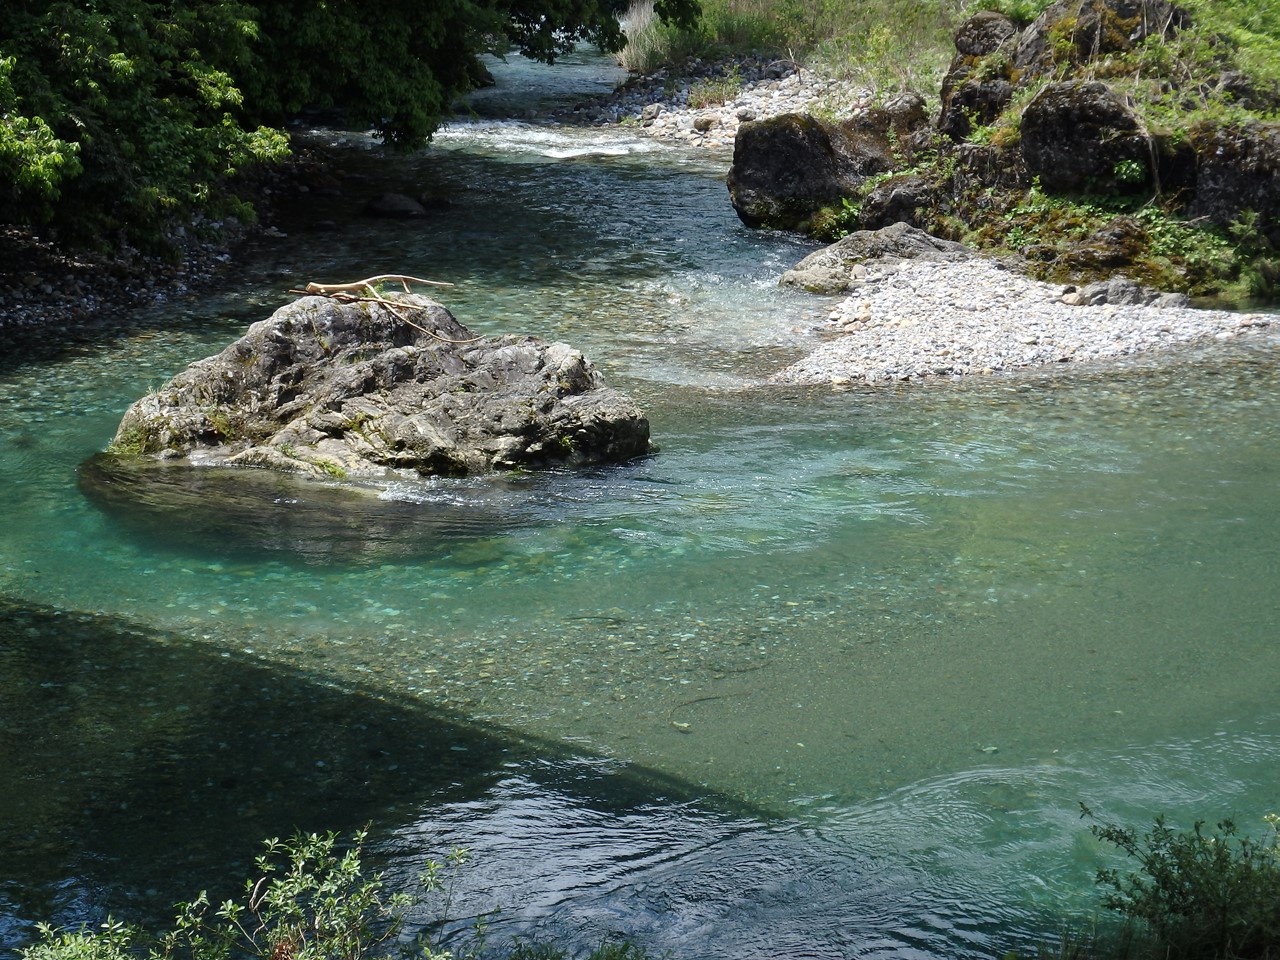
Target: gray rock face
x=788 y=167
x=334 y=389
x=843 y=265
x=1239 y=170
x=1097 y=27
x=1076 y=133
x=898 y=200
x=968 y=97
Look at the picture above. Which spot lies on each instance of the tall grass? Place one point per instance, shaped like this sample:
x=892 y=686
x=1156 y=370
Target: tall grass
x=652 y=44
x=883 y=44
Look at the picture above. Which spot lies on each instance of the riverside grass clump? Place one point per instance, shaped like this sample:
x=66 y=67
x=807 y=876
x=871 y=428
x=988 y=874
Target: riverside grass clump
x=311 y=900
x=1197 y=894
x=887 y=45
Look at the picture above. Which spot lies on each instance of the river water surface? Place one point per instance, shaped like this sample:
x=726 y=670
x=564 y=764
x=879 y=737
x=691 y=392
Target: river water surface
x=827 y=676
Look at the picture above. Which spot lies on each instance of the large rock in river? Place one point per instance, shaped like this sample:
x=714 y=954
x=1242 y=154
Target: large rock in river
x=361 y=389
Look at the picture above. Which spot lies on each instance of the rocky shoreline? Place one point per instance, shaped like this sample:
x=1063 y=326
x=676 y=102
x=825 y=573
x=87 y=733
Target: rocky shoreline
x=914 y=319
x=905 y=321
x=921 y=319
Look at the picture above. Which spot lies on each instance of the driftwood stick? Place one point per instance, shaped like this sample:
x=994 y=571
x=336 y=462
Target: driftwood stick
x=362 y=291
x=357 y=286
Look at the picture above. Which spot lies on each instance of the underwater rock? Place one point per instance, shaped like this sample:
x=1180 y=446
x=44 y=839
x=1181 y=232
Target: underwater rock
x=368 y=389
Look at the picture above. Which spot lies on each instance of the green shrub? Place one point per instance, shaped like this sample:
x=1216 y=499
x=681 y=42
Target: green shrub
x=311 y=900
x=1201 y=895
x=653 y=43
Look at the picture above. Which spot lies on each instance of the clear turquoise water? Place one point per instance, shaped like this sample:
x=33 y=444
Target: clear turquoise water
x=827 y=676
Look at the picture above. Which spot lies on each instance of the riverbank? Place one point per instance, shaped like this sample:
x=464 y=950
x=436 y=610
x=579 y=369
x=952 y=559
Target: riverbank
x=916 y=319
x=921 y=319
x=47 y=289
x=704 y=104
x=913 y=321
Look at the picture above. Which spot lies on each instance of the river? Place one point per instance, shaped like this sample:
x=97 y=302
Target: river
x=827 y=676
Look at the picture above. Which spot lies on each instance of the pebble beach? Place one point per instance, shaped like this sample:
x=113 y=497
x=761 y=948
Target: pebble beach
x=923 y=319
x=918 y=319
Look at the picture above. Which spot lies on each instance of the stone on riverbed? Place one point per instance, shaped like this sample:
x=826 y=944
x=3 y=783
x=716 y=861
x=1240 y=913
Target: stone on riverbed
x=843 y=265
x=326 y=388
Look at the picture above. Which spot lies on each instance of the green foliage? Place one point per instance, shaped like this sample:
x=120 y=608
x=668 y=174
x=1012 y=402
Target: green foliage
x=118 y=117
x=311 y=900
x=1200 y=894
x=33 y=161
x=1130 y=173
x=112 y=940
x=1020 y=12
x=652 y=43
x=883 y=45
x=714 y=91
x=136 y=94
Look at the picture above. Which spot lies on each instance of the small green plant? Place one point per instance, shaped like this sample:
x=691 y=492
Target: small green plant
x=715 y=91
x=1200 y=894
x=111 y=940
x=311 y=900
x=1129 y=173
x=133 y=442
x=332 y=470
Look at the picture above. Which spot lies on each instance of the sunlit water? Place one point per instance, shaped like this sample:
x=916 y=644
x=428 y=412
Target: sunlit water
x=827 y=676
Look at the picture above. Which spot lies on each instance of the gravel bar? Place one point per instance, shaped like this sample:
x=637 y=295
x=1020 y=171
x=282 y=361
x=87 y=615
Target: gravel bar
x=921 y=319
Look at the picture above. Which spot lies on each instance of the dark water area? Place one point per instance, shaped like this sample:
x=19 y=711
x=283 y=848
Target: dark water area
x=156 y=765
x=827 y=676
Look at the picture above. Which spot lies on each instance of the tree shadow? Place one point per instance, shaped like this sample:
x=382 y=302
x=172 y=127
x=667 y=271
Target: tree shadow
x=142 y=766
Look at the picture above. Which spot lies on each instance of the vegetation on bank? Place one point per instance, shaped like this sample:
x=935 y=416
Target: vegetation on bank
x=1216 y=71
x=120 y=116
x=311 y=900
x=1195 y=894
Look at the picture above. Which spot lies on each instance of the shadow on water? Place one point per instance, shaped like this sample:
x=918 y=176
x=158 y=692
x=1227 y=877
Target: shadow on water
x=141 y=767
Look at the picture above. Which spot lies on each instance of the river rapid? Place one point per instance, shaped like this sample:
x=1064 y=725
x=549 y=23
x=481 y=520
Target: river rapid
x=827 y=676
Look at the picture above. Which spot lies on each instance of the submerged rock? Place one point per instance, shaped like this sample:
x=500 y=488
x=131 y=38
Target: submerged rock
x=326 y=388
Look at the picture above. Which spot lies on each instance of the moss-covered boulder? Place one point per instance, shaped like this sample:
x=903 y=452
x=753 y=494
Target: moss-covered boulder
x=788 y=168
x=1080 y=135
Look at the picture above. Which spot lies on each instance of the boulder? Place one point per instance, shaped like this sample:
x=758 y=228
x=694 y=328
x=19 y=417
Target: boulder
x=394 y=206
x=841 y=266
x=362 y=389
x=973 y=103
x=787 y=168
x=977 y=85
x=905 y=199
x=1081 y=135
x=1238 y=169
x=1121 y=291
